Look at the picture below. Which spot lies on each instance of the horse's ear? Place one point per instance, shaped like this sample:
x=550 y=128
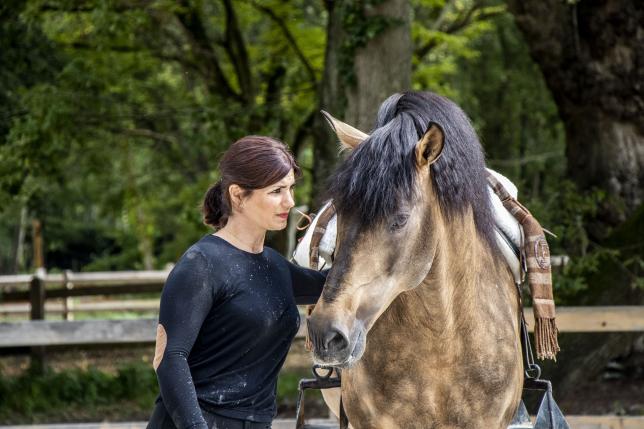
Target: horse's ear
x=430 y=147
x=349 y=137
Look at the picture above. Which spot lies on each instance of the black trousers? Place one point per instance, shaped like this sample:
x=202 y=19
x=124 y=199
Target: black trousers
x=160 y=419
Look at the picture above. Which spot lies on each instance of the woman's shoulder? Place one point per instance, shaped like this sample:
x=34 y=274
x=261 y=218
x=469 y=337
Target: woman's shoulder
x=274 y=256
x=193 y=256
x=212 y=246
x=199 y=253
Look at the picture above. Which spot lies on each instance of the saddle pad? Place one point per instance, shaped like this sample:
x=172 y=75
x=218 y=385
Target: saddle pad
x=327 y=243
x=508 y=233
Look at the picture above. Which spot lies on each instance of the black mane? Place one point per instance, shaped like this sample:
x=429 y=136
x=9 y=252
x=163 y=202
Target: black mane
x=381 y=172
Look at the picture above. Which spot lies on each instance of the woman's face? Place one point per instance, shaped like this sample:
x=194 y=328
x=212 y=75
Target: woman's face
x=268 y=207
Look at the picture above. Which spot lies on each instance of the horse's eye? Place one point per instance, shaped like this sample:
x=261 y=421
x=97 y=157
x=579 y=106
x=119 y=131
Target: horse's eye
x=398 y=222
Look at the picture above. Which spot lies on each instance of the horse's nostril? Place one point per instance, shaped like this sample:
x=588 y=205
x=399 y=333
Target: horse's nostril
x=335 y=341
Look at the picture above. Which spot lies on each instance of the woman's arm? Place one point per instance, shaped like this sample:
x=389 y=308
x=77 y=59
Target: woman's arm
x=185 y=302
x=307 y=283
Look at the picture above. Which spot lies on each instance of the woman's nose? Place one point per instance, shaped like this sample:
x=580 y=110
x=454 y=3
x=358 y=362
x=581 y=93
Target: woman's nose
x=289 y=200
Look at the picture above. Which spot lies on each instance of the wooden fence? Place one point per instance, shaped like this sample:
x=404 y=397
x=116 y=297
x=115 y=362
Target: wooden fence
x=28 y=294
x=37 y=289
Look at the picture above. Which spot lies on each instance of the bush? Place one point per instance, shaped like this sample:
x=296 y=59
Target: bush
x=28 y=394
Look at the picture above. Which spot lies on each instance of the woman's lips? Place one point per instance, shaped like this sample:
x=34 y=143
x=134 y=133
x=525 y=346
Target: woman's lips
x=283 y=215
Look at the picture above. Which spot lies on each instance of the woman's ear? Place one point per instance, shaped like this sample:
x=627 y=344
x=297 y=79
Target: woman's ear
x=236 y=196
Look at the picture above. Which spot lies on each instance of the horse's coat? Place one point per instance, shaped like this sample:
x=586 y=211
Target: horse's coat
x=419 y=307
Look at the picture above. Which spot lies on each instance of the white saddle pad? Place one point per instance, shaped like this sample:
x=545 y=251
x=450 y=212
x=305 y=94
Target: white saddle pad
x=508 y=233
x=302 y=252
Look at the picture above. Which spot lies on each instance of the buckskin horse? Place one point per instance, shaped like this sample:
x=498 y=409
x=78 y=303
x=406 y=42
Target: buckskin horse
x=419 y=310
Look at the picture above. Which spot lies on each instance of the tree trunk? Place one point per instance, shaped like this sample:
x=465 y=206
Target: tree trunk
x=591 y=55
x=383 y=66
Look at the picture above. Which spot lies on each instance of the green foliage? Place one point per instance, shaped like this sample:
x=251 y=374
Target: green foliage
x=30 y=393
x=112 y=122
x=287 y=389
x=118 y=137
x=504 y=93
x=34 y=397
x=570 y=214
x=445 y=35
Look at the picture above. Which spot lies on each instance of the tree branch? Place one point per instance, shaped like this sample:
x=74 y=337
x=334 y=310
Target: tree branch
x=89 y=7
x=441 y=17
x=468 y=17
x=215 y=79
x=159 y=54
x=289 y=37
x=84 y=46
x=149 y=134
x=273 y=91
x=163 y=142
x=236 y=49
x=303 y=131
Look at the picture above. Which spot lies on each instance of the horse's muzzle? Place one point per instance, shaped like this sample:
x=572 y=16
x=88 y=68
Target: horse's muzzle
x=333 y=343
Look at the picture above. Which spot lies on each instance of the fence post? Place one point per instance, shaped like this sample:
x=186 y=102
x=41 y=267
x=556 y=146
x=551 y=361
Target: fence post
x=68 y=304
x=37 y=299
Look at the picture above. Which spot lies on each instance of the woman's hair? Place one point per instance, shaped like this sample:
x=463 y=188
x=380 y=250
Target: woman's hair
x=252 y=162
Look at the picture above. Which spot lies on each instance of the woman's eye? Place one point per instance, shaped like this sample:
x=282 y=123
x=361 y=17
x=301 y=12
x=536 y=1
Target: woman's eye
x=277 y=191
x=399 y=222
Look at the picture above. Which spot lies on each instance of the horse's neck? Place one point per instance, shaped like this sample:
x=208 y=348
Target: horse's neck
x=465 y=277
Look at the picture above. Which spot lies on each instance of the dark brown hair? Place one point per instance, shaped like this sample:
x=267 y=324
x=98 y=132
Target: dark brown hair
x=252 y=162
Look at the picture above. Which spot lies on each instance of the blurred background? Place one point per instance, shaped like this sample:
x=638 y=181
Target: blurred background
x=114 y=113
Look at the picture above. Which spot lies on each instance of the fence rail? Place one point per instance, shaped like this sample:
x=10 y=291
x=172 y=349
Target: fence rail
x=38 y=333
x=104 y=278
x=37 y=289
x=57 y=332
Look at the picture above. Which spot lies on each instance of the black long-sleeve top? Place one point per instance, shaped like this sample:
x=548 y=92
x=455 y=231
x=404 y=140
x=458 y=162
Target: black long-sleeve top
x=229 y=316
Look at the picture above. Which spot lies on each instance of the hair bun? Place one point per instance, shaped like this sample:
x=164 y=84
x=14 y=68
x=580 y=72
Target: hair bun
x=213 y=206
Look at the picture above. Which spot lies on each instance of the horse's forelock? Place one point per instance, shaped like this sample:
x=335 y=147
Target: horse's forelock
x=381 y=172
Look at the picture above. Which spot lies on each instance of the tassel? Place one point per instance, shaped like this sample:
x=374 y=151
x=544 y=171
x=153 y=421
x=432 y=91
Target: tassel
x=536 y=260
x=545 y=336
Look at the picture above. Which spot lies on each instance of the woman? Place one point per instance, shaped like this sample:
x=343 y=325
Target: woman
x=228 y=308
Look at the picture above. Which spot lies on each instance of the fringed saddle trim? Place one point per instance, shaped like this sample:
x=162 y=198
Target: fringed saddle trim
x=536 y=254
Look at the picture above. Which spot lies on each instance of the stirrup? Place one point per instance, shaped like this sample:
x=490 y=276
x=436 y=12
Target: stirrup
x=321 y=381
x=549 y=416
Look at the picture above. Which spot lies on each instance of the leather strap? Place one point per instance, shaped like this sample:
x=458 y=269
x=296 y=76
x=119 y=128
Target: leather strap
x=318 y=232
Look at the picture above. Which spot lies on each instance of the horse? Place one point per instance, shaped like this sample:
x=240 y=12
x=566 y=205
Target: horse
x=419 y=311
